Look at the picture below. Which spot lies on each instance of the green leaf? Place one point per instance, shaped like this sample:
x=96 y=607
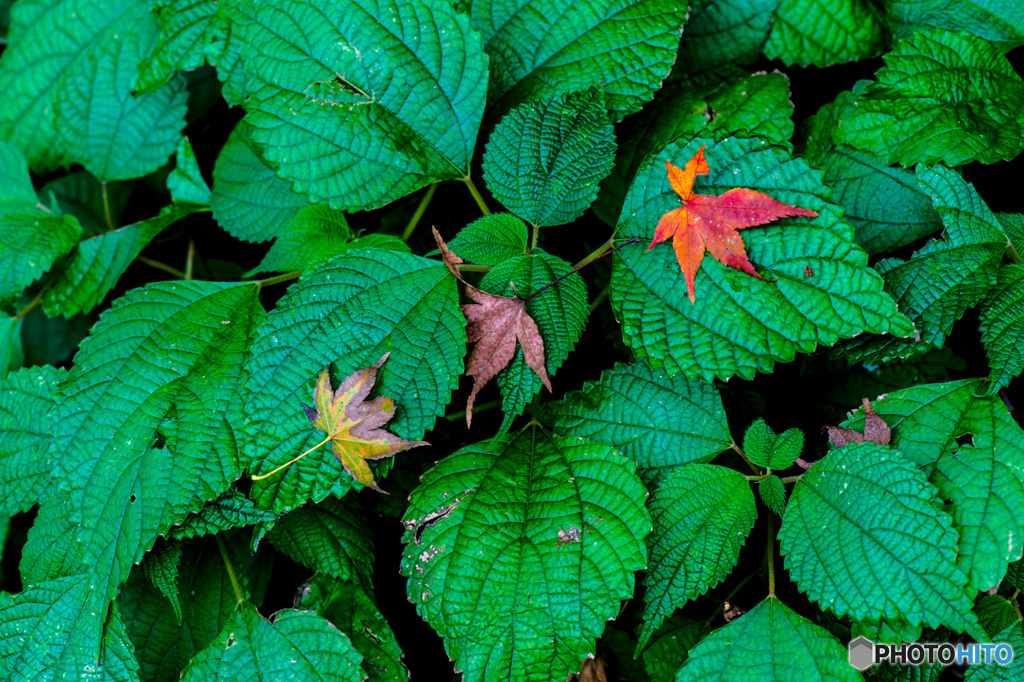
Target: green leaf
x=757 y=103
x=12 y=352
x=1013 y=636
x=519 y=549
x=540 y=48
x=862 y=537
x=671 y=645
x=16 y=192
x=741 y=325
x=186 y=29
x=313 y=235
x=26 y=399
x=81 y=194
x=491 y=239
x=770 y=641
x=171 y=350
x=330 y=537
x=248 y=200
x=885 y=630
x=57 y=629
x=997 y=21
x=985 y=488
x=186 y=182
x=232 y=509
x=544 y=160
x=355 y=131
x=941 y=96
x=946 y=277
x=765 y=449
x=297 y=644
x=1002 y=327
x=349 y=311
x=30 y=243
x=160 y=566
x=825 y=32
x=560 y=313
x=724 y=32
x=353 y=612
x=163 y=645
x=702 y=515
x=658 y=421
x=1013 y=226
x=995 y=613
x=97 y=264
x=885 y=204
x=773 y=493
x=95 y=104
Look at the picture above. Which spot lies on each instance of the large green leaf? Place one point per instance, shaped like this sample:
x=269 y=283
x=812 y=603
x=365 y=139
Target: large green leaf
x=770 y=642
x=248 y=200
x=519 y=549
x=1002 y=327
x=57 y=629
x=702 y=515
x=349 y=311
x=165 y=360
x=741 y=325
x=330 y=537
x=95 y=103
x=862 y=537
x=540 y=48
x=491 y=239
x=885 y=204
x=359 y=104
x=353 y=612
x=997 y=21
x=941 y=96
x=545 y=158
x=295 y=644
x=560 y=313
x=946 y=277
x=658 y=421
x=26 y=399
x=825 y=32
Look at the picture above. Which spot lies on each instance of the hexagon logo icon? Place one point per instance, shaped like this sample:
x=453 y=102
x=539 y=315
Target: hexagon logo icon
x=862 y=653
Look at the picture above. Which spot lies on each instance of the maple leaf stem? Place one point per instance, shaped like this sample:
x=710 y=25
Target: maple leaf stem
x=279 y=278
x=229 y=567
x=420 y=210
x=605 y=249
x=476 y=195
x=291 y=461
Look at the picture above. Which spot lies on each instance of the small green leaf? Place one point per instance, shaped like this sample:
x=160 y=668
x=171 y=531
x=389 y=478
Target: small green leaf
x=248 y=200
x=702 y=515
x=997 y=21
x=160 y=566
x=298 y=644
x=186 y=182
x=770 y=641
x=946 y=277
x=862 y=537
x=741 y=325
x=658 y=421
x=313 y=235
x=30 y=243
x=560 y=313
x=353 y=131
x=765 y=449
x=1002 y=327
x=540 y=48
x=232 y=509
x=941 y=96
x=995 y=613
x=491 y=239
x=544 y=160
x=773 y=493
x=330 y=537
x=519 y=549
x=825 y=32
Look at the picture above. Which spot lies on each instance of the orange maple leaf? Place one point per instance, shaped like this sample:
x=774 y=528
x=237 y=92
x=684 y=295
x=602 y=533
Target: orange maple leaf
x=710 y=223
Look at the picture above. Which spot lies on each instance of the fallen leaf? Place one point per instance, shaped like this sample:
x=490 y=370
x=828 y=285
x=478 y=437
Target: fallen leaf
x=354 y=425
x=711 y=223
x=448 y=256
x=875 y=430
x=496 y=324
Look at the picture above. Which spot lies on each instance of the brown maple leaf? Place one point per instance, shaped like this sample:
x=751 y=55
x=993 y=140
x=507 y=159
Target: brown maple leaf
x=875 y=430
x=711 y=223
x=353 y=425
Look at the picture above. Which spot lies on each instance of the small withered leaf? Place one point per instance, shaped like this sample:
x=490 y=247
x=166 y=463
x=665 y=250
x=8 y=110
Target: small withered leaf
x=355 y=424
x=875 y=430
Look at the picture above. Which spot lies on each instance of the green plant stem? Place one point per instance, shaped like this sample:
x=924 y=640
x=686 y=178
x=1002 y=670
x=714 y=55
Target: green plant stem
x=420 y=210
x=477 y=409
x=1016 y=606
x=600 y=253
x=769 y=555
x=462 y=267
x=598 y=300
x=290 y=462
x=279 y=278
x=739 y=451
x=476 y=195
x=190 y=258
x=536 y=237
x=791 y=479
x=229 y=568
x=1012 y=252
x=106 y=207
x=161 y=266
x=32 y=304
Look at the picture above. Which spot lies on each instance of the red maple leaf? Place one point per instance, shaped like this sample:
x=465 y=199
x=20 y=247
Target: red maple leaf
x=710 y=223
